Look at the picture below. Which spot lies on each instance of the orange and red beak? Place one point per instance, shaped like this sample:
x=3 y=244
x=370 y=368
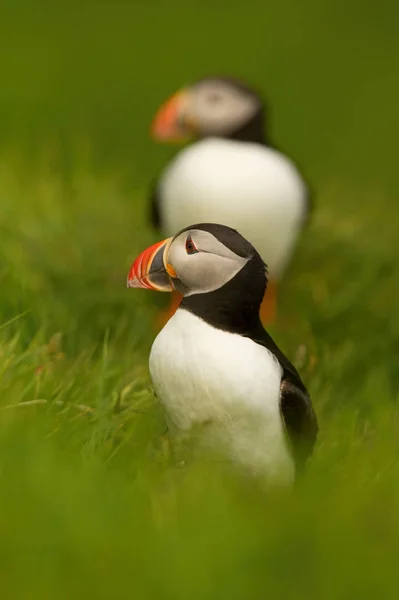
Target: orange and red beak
x=171 y=123
x=151 y=270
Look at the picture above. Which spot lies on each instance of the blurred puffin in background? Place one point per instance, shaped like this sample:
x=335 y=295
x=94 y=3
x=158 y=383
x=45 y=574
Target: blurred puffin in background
x=231 y=174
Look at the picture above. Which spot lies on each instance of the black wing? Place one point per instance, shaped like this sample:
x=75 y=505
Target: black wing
x=262 y=338
x=309 y=197
x=309 y=204
x=155 y=201
x=299 y=420
x=295 y=404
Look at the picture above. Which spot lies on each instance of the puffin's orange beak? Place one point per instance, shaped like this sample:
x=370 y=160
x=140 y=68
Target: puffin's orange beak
x=170 y=123
x=150 y=270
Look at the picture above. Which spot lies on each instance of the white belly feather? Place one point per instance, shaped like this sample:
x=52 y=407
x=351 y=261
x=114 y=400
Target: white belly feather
x=249 y=187
x=202 y=374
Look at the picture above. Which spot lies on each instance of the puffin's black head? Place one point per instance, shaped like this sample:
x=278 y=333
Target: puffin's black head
x=212 y=107
x=219 y=273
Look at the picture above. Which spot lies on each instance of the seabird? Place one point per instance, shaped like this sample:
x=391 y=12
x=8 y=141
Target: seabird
x=214 y=365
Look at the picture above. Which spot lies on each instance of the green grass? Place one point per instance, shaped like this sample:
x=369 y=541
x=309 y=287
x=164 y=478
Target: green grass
x=93 y=504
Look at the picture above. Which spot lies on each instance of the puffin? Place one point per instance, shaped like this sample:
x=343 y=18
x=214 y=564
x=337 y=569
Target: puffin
x=230 y=174
x=213 y=366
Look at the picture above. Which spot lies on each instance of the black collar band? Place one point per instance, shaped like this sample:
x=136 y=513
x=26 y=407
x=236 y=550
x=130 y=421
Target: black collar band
x=235 y=306
x=253 y=131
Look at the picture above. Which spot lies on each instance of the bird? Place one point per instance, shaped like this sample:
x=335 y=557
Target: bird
x=213 y=365
x=230 y=174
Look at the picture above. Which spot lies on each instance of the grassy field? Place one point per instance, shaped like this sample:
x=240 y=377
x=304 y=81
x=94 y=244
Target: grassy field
x=92 y=503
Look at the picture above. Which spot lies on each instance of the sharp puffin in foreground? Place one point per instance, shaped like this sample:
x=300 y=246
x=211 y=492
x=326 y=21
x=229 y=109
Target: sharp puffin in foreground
x=213 y=363
x=231 y=175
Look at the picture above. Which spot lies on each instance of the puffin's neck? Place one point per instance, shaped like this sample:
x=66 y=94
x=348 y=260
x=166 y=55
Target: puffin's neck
x=252 y=131
x=235 y=306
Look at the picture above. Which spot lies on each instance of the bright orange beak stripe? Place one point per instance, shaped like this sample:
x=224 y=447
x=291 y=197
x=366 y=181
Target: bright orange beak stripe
x=168 y=122
x=149 y=270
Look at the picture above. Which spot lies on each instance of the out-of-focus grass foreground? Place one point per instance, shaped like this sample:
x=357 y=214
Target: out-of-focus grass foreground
x=92 y=505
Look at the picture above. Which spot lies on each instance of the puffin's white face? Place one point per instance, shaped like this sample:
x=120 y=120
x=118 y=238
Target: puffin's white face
x=211 y=107
x=219 y=108
x=193 y=262
x=201 y=262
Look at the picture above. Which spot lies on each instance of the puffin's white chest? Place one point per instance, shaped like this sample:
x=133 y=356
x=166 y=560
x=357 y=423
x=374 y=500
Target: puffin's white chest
x=251 y=188
x=202 y=374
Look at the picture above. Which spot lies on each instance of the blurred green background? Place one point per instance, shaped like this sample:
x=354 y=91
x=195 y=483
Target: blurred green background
x=92 y=502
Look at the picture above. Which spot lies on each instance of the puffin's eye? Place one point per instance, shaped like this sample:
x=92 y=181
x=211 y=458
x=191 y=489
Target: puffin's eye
x=190 y=246
x=213 y=98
